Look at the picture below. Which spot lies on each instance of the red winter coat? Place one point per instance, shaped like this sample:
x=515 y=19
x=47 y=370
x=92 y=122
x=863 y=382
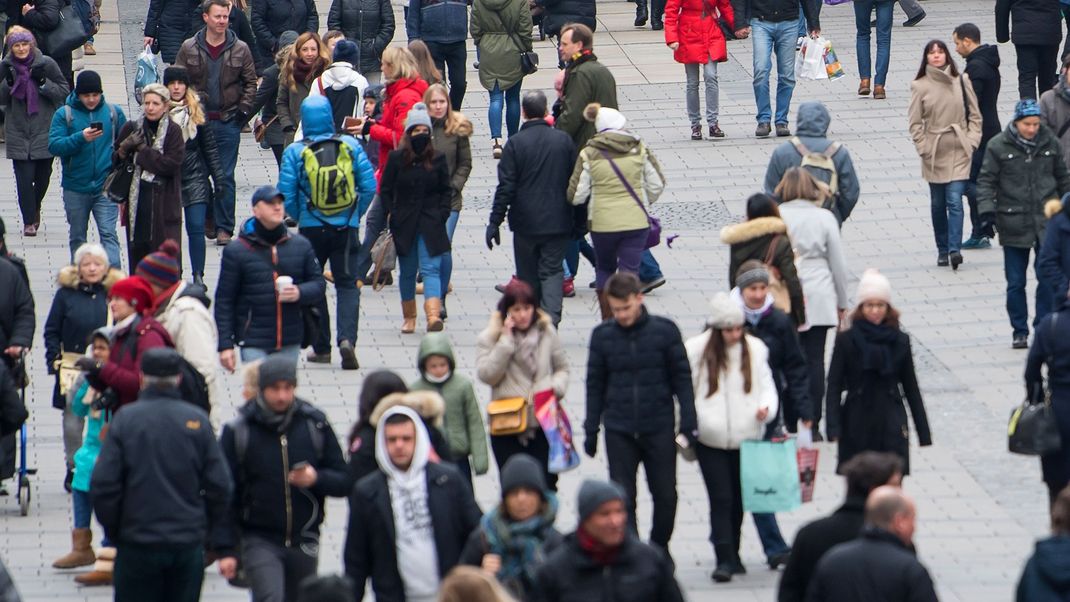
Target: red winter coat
x=699 y=36
x=388 y=130
x=122 y=372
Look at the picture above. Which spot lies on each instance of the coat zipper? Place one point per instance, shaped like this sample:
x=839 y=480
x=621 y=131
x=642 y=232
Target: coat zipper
x=635 y=391
x=284 y=447
x=278 y=301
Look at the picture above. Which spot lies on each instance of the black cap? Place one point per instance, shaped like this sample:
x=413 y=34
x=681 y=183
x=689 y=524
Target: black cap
x=161 y=361
x=175 y=74
x=88 y=83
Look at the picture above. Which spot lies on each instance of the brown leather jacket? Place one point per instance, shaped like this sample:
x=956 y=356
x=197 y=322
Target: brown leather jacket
x=228 y=89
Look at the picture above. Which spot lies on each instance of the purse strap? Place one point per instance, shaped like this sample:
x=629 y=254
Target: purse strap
x=512 y=35
x=624 y=180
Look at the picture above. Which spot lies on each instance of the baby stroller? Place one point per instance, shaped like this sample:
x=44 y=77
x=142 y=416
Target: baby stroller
x=17 y=378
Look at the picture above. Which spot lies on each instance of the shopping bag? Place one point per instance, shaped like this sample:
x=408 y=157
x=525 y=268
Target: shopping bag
x=558 y=430
x=810 y=60
x=832 y=63
x=807 y=459
x=769 y=476
x=148 y=71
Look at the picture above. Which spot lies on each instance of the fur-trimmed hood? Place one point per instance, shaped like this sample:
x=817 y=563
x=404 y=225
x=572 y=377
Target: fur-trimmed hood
x=1053 y=206
x=68 y=277
x=751 y=229
x=494 y=326
x=428 y=404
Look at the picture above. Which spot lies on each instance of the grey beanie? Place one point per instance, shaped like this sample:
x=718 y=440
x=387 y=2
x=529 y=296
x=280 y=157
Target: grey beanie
x=417 y=116
x=750 y=272
x=522 y=470
x=595 y=493
x=277 y=368
x=285 y=39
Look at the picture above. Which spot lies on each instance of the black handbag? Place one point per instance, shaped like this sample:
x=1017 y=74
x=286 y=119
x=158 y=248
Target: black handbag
x=117 y=184
x=1033 y=429
x=69 y=33
x=529 y=61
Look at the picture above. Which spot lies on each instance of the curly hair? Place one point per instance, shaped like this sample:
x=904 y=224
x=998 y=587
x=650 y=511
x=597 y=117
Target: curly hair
x=286 y=72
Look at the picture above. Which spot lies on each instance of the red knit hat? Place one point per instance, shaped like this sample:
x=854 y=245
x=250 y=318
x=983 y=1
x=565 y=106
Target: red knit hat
x=135 y=291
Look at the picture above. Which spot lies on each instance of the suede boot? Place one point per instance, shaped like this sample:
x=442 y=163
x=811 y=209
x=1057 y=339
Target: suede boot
x=408 y=312
x=102 y=570
x=432 y=307
x=81 y=553
x=603 y=306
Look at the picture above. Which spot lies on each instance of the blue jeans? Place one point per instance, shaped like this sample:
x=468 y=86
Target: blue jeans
x=419 y=259
x=252 y=354
x=1015 y=264
x=227 y=137
x=804 y=25
x=769 y=532
x=649 y=270
x=863 y=11
x=83 y=512
x=769 y=38
x=512 y=110
x=447 y=257
x=195 y=215
x=78 y=206
x=946 y=203
x=341 y=248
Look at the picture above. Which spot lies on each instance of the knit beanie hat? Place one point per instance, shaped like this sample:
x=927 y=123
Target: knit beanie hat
x=604 y=118
x=417 y=116
x=277 y=368
x=874 y=286
x=160 y=268
x=88 y=83
x=522 y=470
x=724 y=312
x=346 y=52
x=595 y=493
x=175 y=74
x=750 y=272
x=135 y=291
x=286 y=38
x=1026 y=107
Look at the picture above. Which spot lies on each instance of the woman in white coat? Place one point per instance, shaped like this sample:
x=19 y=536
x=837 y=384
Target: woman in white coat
x=822 y=268
x=735 y=396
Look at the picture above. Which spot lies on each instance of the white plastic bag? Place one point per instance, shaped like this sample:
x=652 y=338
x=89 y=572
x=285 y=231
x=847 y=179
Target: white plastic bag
x=148 y=71
x=810 y=60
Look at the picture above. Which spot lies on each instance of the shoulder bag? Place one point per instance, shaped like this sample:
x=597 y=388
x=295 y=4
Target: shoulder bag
x=1033 y=429
x=653 y=237
x=529 y=61
x=507 y=416
x=69 y=33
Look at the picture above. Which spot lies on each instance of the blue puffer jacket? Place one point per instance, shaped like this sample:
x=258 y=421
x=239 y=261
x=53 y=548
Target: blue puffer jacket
x=85 y=164
x=317 y=122
x=247 y=311
x=442 y=21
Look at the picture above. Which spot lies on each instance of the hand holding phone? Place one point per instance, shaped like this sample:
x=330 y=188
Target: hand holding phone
x=97 y=125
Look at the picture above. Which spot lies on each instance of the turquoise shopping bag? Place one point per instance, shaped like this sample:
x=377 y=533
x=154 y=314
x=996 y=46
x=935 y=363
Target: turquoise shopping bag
x=769 y=475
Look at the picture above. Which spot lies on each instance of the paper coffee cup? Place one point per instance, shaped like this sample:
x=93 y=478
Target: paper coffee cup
x=282 y=282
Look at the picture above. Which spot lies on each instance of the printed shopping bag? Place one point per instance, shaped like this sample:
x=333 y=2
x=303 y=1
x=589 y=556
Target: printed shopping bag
x=810 y=60
x=807 y=459
x=832 y=63
x=769 y=476
x=558 y=430
x=148 y=71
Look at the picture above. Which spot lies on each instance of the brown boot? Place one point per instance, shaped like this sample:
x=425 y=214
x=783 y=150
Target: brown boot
x=81 y=553
x=408 y=312
x=603 y=306
x=863 y=87
x=102 y=570
x=432 y=307
x=878 y=93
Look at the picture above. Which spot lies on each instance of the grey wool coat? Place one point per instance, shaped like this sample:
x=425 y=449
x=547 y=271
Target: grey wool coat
x=27 y=135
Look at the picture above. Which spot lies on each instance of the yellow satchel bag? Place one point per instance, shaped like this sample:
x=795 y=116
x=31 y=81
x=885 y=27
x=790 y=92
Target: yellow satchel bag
x=508 y=416
x=65 y=370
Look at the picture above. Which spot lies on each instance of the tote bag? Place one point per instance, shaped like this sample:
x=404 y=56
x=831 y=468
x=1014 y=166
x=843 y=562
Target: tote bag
x=769 y=476
x=558 y=430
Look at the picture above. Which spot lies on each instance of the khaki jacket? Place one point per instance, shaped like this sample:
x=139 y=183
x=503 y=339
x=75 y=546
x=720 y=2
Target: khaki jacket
x=612 y=208
x=945 y=139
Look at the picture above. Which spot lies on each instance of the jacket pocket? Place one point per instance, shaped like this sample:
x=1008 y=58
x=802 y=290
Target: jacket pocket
x=1013 y=220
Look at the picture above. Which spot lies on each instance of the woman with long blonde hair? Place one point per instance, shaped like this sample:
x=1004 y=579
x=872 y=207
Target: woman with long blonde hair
x=404 y=88
x=302 y=66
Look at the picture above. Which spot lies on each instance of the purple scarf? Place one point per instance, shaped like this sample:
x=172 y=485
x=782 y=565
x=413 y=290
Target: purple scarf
x=24 y=89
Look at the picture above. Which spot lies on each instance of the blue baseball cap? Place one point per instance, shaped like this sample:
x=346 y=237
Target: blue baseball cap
x=266 y=193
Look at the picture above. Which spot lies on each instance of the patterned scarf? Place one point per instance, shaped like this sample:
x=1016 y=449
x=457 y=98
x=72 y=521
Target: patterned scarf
x=1029 y=146
x=520 y=544
x=578 y=59
x=141 y=175
x=179 y=114
x=24 y=89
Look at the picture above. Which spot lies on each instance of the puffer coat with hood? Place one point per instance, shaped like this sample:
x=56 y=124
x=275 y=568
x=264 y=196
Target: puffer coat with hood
x=944 y=136
x=430 y=407
x=1046 y=576
x=400 y=96
x=612 y=207
x=344 y=88
x=186 y=316
x=752 y=239
x=693 y=24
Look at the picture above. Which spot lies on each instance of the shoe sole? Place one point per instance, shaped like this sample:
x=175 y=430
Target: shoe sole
x=653 y=285
x=349 y=358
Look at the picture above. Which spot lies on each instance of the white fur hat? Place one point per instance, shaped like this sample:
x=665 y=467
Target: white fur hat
x=724 y=312
x=604 y=118
x=874 y=286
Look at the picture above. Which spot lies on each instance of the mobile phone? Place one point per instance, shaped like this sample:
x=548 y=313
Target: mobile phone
x=96 y=125
x=299 y=466
x=351 y=122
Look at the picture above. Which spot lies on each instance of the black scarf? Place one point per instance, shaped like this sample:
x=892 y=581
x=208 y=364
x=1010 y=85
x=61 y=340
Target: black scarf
x=272 y=419
x=269 y=236
x=875 y=342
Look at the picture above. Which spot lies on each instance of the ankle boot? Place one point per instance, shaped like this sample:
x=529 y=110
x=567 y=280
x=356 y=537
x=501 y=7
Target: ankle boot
x=81 y=553
x=641 y=13
x=603 y=305
x=432 y=306
x=102 y=570
x=725 y=559
x=408 y=312
x=863 y=87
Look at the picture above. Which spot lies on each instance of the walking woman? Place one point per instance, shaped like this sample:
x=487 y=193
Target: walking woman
x=154 y=144
x=450 y=131
x=735 y=397
x=501 y=30
x=267 y=95
x=200 y=161
x=764 y=236
x=693 y=32
x=304 y=64
x=873 y=364
x=31 y=88
x=822 y=268
x=863 y=13
x=1050 y=347
x=518 y=355
x=369 y=24
x=619 y=176
x=404 y=88
x=415 y=193
x=945 y=123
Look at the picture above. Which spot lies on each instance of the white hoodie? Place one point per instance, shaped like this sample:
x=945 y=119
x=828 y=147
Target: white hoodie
x=727 y=418
x=417 y=557
x=341 y=75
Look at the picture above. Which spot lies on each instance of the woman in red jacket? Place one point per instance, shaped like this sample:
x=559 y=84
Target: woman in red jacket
x=404 y=88
x=693 y=33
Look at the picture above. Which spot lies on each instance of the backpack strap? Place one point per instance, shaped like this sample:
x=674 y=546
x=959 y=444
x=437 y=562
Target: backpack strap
x=799 y=146
x=240 y=427
x=315 y=432
x=832 y=149
x=1062 y=130
x=68 y=114
x=114 y=121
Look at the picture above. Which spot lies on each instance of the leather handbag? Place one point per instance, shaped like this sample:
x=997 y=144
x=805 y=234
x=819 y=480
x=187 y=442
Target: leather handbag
x=653 y=235
x=117 y=184
x=261 y=128
x=1033 y=429
x=69 y=34
x=507 y=416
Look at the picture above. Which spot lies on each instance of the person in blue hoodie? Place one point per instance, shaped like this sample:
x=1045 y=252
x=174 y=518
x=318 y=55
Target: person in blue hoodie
x=330 y=219
x=85 y=153
x=1046 y=576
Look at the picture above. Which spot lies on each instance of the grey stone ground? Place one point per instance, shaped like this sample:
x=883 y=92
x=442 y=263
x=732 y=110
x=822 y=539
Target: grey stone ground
x=979 y=507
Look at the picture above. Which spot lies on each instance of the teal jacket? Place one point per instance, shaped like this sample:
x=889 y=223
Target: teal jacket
x=463 y=420
x=86 y=456
x=85 y=164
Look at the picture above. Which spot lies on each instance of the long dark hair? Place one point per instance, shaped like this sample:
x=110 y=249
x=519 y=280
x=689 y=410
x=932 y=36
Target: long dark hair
x=426 y=158
x=762 y=205
x=376 y=386
x=925 y=58
x=715 y=356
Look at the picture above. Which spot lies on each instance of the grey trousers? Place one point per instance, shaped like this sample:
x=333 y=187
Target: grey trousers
x=709 y=74
x=911 y=8
x=275 y=571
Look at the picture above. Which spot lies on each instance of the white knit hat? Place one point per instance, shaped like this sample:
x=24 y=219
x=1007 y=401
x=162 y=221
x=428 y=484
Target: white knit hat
x=724 y=312
x=609 y=119
x=873 y=286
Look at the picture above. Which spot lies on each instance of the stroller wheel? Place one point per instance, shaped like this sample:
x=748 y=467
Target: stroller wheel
x=24 y=496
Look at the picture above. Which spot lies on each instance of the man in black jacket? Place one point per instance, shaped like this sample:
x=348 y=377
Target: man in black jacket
x=271 y=18
x=161 y=489
x=285 y=460
x=982 y=66
x=864 y=472
x=532 y=181
x=409 y=520
x=1036 y=29
x=845 y=573
x=636 y=366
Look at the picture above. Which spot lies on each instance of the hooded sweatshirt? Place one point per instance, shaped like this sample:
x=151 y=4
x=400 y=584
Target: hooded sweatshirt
x=612 y=206
x=417 y=558
x=344 y=88
x=1046 y=577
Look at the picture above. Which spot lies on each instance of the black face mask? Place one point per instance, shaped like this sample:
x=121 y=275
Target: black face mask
x=419 y=142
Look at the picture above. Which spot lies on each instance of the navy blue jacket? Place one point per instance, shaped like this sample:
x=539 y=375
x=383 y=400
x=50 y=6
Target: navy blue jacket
x=442 y=21
x=1054 y=261
x=1046 y=576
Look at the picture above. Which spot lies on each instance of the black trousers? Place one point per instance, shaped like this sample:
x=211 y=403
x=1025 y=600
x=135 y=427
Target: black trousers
x=450 y=58
x=31 y=184
x=720 y=472
x=813 y=347
x=1037 y=67
x=657 y=9
x=507 y=446
x=163 y=573
x=341 y=248
x=539 y=262
x=657 y=453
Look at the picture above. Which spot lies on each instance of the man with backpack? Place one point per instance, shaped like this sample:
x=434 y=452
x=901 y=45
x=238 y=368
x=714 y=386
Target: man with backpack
x=829 y=162
x=328 y=183
x=284 y=459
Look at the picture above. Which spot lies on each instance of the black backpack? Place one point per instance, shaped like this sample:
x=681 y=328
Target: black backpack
x=193 y=388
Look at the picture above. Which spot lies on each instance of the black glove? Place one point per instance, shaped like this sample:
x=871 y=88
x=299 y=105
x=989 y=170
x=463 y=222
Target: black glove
x=364 y=131
x=988 y=224
x=88 y=365
x=7 y=74
x=590 y=444
x=493 y=236
x=37 y=74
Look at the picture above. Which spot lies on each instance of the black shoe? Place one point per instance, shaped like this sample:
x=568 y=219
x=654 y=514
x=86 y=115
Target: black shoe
x=723 y=573
x=738 y=568
x=763 y=129
x=198 y=279
x=641 y=15
x=653 y=284
x=592 y=284
x=782 y=130
x=318 y=358
x=442 y=310
x=911 y=22
x=942 y=260
x=349 y=356
x=67 y=480
x=1020 y=341
x=657 y=25
x=778 y=560
x=815 y=434
x=956 y=259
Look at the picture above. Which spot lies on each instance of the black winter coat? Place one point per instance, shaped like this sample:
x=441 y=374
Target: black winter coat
x=634 y=373
x=170 y=22
x=1053 y=263
x=1038 y=22
x=417 y=200
x=272 y=17
x=369 y=23
x=872 y=417
x=774 y=11
x=161 y=478
x=753 y=239
x=982 y=65
x=1051 y=346
x=12 y=409
x=788 y=363
x=17 y=318
x=200 y=162
x=533 y=177
x=264 y=503
x=370 y=548
x=641 y=573
x=846 y=574
x=811 y=543
x=246 y=309
x=239 y=24
x=562 y=12
x=266 y=95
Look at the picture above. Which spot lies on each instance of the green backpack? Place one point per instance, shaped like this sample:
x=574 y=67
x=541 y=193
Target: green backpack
x=329 y=167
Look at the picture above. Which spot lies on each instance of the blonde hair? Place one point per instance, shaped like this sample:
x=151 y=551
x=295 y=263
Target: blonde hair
x=250 y=380
x=797 y=183
x=456 y=123
x=286 y=72
x=403 y=62
x=470 y=584
x=193 y=106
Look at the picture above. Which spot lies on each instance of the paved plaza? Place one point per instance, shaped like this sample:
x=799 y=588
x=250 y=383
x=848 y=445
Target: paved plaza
x=979 y=507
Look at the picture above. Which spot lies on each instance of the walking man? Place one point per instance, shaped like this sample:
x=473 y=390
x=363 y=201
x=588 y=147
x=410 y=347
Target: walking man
x=443 y=26
x=1036 y=29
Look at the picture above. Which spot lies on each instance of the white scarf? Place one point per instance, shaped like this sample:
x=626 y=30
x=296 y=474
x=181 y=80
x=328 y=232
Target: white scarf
x=180 y=115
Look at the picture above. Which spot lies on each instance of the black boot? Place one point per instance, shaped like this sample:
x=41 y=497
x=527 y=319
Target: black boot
x=725 y=562
x=198 y=279
x=641 y=14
